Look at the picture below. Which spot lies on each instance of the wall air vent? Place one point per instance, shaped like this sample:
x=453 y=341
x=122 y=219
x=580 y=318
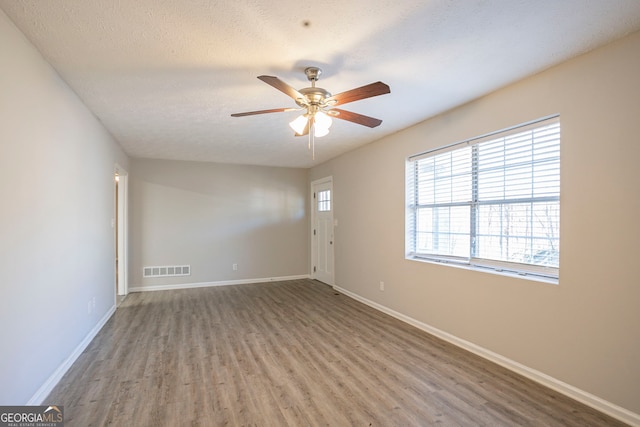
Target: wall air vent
x=166 y=271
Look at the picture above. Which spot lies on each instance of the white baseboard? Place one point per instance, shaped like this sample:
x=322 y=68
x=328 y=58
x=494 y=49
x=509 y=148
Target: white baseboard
x=575 y=393
x=141 y=288
x=52 y=381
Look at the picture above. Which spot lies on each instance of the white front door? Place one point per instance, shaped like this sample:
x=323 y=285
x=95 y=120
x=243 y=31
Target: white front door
x=322 y=231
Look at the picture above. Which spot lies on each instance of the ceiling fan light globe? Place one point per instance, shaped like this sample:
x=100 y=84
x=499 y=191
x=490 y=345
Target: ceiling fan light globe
x=320 y=131
x=299 y=124
x=321 y=124
x=322 y=120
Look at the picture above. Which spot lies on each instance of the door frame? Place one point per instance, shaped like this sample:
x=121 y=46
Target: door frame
x=314 y=184
x=122 y=218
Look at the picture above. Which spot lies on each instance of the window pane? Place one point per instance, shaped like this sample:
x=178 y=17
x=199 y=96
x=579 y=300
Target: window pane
x=445 y=178
x=324 y=200
x=546 y=179
x=520 y=232
x=523 y=165
x=443 y=231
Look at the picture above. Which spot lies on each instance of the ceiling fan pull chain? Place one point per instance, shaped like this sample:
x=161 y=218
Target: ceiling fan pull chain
x=312 y=137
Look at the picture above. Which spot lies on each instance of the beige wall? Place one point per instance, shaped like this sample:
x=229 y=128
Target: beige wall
x=212 y=216
x=56 y=242
x=584 y=331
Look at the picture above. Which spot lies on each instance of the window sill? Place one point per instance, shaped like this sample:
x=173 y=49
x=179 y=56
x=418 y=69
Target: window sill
x=490 y=270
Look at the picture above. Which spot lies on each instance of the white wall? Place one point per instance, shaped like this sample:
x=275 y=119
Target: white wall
x=211 y=216
x=584 y=331
x=56 y=240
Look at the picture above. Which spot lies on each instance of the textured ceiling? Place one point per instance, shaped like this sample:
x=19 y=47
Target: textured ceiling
x=165 y=75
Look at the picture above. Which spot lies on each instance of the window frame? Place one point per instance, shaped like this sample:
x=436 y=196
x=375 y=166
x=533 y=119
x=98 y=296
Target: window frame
x=542 y=273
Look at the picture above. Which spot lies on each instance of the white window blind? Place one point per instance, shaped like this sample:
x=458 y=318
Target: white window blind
x=492 y=202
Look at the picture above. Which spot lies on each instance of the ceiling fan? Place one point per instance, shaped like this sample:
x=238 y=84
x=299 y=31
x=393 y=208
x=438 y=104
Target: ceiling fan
x=319 y=105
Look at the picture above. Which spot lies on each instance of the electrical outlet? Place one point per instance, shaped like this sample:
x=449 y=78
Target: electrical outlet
x=235 y=267
x=381 y=285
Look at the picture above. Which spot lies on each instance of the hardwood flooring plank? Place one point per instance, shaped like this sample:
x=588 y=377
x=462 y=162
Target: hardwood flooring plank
x=292 y=353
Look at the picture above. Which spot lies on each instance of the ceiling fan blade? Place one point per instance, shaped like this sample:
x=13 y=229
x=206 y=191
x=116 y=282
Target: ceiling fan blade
x=282 y=86
x=355 y=117
x=363 y=92
x=252 y=113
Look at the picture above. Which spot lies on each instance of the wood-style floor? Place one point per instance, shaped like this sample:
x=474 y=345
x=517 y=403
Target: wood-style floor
x=292 y=353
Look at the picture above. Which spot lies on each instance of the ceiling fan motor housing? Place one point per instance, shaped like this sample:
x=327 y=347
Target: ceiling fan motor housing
x=313 y=96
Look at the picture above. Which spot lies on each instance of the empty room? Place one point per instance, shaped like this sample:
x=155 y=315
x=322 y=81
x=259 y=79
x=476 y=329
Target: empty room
x=356 y=213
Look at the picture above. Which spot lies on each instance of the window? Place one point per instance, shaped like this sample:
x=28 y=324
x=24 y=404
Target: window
x=324 y=201
x=490 y=202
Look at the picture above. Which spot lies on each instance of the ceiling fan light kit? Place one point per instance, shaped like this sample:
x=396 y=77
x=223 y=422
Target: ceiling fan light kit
x=299 y=124
x=319 y=104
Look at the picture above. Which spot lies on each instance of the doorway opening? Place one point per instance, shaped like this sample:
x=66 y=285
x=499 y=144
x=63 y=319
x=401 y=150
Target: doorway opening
x=120 y=233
